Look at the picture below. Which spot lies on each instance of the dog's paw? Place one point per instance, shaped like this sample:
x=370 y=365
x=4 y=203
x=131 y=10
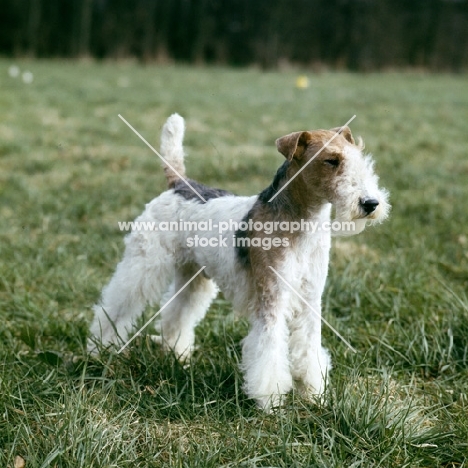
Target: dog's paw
x=183 y=355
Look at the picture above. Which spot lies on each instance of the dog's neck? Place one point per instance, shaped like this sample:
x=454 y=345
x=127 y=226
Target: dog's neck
x=294 y=202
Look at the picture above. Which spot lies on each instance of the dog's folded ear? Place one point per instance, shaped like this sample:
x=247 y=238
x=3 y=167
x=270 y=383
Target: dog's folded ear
x=293 y=145
x=346 y=132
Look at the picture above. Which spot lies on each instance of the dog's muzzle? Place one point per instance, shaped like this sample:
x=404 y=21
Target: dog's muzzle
x=368 y=205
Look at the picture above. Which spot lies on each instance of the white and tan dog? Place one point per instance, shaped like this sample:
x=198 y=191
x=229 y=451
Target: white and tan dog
x=258 y=250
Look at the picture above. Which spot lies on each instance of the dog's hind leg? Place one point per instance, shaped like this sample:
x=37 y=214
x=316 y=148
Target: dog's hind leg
x=183 y=309
x=140 y=278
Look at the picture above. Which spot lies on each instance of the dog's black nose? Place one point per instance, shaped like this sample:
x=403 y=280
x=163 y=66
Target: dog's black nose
x=369 y=205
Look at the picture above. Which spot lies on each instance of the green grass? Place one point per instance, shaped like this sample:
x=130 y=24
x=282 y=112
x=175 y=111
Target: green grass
x=70 y=169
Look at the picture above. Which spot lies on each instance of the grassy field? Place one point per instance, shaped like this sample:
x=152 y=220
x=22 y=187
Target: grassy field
x=70 y=169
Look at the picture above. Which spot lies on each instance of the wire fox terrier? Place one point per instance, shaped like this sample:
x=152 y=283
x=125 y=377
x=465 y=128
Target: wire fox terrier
x=267 y=274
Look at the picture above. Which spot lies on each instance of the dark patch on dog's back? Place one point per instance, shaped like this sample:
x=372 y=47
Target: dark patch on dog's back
x=208 y=193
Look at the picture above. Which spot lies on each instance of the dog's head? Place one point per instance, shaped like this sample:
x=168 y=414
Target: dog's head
x=333 y=169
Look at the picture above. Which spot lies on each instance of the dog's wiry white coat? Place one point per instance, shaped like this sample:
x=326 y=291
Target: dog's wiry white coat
x=283 y=346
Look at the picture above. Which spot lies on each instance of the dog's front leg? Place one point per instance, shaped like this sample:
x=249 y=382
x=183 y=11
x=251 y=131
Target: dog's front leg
x=310 y=362
x=265 y=360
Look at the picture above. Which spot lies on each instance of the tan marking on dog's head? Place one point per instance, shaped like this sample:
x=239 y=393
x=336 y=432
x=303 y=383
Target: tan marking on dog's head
x=346 y=132
x=293 y=145
x=316 y=183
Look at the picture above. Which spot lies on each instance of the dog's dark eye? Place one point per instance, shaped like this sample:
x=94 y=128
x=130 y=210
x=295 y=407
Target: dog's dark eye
x=333 y=162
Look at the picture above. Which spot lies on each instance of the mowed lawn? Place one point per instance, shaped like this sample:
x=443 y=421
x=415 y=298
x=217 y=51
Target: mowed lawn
x=70 y=169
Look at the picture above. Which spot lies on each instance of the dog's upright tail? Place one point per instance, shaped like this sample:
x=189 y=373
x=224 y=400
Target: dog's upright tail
x=172 y=151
